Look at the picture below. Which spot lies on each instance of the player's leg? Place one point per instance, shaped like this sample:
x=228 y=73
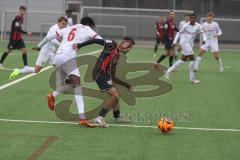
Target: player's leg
x=117 y=115
x=202 y=50
x=163 y=56
x=215 y=51
x=4 y=55
x=109 y=103
x=171 y=56
x=158 y=40
x=191 y=69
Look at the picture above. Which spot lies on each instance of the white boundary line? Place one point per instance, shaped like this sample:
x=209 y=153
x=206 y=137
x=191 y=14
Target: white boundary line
x=118 y=125
x=33 y=74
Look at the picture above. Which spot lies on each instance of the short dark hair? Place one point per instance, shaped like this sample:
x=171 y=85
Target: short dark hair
x=87 y=21
x=68 y=11
x=129 y=39
x=22 y=8
x=60 y=19
x=193 y=14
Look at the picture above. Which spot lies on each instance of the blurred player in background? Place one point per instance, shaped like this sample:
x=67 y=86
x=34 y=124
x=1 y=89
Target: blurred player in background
x=159 y=34
x=169 y=30
x=15 y=39
x=188 y=32
x=46 y=53
x=211 y=31
x=65 y=61
x=104 y=75
x=186 y=20
x=69 y=17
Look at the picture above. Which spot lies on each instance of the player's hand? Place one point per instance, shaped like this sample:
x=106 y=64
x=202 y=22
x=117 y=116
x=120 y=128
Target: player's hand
x=36 y=48
x=29 y=33
x=131 y=89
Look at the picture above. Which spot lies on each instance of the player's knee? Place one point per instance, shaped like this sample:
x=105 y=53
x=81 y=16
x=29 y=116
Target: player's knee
x=73 y=80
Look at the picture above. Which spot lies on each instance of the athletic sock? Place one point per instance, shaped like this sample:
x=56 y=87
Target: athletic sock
x=161 y=58
x=197 y=62
x=27 y=69
x=175 y=66
x=103 y=112
x=24 y=58
x=220 y=64
x=170 y=60
x=191 y=70
x=5 y=54
x=116 y=114
x=79 y=101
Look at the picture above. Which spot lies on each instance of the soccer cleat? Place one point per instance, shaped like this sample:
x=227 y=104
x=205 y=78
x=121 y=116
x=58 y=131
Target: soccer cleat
x=51 y=101
x=1 y=66
x=86 y=123
x=156 y=66
x=101 y=121
x=195 y=81
x=14 y=74
x=221 y=69
x=121 y=120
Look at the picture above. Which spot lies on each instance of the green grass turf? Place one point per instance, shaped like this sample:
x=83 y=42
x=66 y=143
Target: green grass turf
x=214 y=103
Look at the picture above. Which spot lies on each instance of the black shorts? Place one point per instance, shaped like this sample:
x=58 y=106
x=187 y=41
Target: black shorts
x=18 y=44
x=104 y=83
x=159 y=39
x=168 y=44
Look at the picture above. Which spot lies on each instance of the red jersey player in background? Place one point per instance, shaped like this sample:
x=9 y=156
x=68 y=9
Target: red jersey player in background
x=159 y=34
x=15 y=40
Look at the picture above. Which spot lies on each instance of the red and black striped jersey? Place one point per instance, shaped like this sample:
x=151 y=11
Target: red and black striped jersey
x=159 y=27
x=16 y=29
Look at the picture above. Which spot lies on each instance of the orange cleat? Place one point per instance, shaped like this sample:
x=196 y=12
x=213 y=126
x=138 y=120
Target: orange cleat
x=156 y=66
x=51 y=101
x=86 y=123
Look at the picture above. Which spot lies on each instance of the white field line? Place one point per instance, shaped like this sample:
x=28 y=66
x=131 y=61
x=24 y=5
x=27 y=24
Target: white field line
x=33 y=74
x=119 y=125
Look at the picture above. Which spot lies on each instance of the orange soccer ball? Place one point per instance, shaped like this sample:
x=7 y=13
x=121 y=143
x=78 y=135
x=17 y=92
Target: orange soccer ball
x=165 y=125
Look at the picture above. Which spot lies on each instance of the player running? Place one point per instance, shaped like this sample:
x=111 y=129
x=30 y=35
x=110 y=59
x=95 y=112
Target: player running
x=65 y=61
x=46 y=53
x=168 y=37
x=188 y=33
x=211 y=31
x=159 y=34
x=15 y=39
x=104 y=75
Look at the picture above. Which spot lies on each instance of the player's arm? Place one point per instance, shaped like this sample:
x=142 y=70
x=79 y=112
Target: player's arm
x=91 y=41
x=219 y=31
x=181 y=31
x=117 y=80
x=203 y=34
x=16 y=26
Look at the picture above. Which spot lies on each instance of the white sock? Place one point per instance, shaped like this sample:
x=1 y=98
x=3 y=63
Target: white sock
x=79 y=101
x=197 y=62
x=220 y=63
x=175 y=66
x=27 y=69
x=61 y=90
x=191 y=70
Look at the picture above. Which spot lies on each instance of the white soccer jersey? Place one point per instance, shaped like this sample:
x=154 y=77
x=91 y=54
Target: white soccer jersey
x=182 y=23
x=211 y=31
x=70 y=21
x=52 y=44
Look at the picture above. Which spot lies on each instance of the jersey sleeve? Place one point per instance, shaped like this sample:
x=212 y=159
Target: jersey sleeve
x=219 y=31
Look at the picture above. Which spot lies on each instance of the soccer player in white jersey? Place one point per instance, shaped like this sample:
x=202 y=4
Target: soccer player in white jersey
x=69 y=17
x=46 y=53
x=188 y=32
x=211 y=31
x=65 y=61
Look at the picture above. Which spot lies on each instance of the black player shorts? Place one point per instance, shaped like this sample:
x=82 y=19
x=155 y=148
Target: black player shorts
x=104 y=82
x=18 y=44
x=168 y=44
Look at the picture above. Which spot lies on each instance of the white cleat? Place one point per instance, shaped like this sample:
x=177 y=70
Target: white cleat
x=101 y=121
x=166 y=76
x=221 y=69
x=1 y=66
x=195 y=81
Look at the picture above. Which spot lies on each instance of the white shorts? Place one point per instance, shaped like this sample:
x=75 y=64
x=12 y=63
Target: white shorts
x=187 y=49
x=45 y=55
x=210 y=45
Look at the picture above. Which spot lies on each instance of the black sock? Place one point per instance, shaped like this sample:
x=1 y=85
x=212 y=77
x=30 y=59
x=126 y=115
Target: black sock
x=116 y=114
x=24 y=58
x=103 y=112
x=170 y=60
x=161 y=58
x=5 y=54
